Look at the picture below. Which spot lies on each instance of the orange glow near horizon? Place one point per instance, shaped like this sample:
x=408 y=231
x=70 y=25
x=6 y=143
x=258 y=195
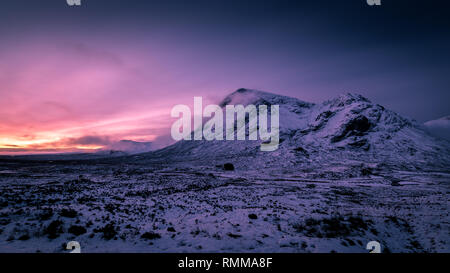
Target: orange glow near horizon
x=71 y=96
x=101 y=133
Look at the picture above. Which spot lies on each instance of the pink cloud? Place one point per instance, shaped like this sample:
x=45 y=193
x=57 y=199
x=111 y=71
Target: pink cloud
x=52 y=93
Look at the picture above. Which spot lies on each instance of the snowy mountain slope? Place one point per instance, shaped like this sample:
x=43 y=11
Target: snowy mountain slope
x=344 y=130
x=439 y=127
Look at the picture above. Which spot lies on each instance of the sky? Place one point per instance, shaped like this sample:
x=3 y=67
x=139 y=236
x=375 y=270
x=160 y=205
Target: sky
x=83 y=78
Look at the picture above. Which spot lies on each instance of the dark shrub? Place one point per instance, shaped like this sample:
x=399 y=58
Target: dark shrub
x=54 y=229
x=366 y=171
x=301 y=150
x=77 y=230
x=171 y=229
x=24 y=237
x=233 y=235
x=110 y=208
x=109 y=231
x=46 y=214
x=252 y=216
x=150 y=235
x=228 y=167
x=69 y=213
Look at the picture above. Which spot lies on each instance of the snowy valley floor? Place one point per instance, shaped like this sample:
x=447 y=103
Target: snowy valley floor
x=181 y=208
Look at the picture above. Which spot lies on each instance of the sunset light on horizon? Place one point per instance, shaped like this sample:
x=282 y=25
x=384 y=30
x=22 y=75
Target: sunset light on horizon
x=79 y=82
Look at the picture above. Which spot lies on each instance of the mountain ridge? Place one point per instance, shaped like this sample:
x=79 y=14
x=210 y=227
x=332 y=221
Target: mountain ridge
x=346 y=128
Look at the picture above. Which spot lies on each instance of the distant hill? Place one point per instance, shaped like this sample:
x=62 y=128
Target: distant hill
x=439 y=127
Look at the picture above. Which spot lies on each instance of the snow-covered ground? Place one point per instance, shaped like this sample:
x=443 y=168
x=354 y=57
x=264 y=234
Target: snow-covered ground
x=179 y=208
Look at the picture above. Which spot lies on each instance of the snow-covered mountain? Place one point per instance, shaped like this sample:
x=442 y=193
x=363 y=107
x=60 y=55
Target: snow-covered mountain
x=349 y=129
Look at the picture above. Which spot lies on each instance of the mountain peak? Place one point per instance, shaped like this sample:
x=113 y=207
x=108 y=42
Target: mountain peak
x=245 y=96
x=347 y=99
x=348 y=127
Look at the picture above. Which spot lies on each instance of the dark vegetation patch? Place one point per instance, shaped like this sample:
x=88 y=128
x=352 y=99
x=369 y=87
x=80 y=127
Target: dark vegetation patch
x=111 y=208
x=54 y=229
x=85 y=199
x=395 y=182
x=232 y=235
x=302 y=151
x=252 y=216
x=333 y=227
x=415 y=246
x=3 y=204
x=69 y=213
x=228 y=167
x=171 y=229
x=150 y=235
x=366 y=171
x=46 y=214
x=344 y=191
x=109 y=231
x=24 y=237
x=77 y=230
